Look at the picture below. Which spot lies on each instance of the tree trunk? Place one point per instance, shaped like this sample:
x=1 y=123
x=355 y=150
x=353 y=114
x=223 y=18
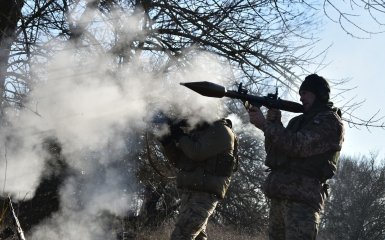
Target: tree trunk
x=10 y=13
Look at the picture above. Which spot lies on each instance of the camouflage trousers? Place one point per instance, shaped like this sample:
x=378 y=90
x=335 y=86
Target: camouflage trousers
x=196 y=208
x=290 y=220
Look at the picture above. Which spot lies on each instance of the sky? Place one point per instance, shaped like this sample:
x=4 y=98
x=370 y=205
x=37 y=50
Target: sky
x=363 y=62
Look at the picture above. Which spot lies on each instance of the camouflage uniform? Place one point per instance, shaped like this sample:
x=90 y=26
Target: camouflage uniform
x=205 y=159
x=301 y=158
x=196 y=208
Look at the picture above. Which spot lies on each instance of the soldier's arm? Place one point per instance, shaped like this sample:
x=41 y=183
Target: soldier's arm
x=325 y=134
x=171 y=152
x=274 y=117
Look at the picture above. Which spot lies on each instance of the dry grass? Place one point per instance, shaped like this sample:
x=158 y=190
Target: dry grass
x=215 y=232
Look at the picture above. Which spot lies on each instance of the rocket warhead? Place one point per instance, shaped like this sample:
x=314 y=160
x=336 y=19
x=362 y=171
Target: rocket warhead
x=210 y=89
x=207 y=89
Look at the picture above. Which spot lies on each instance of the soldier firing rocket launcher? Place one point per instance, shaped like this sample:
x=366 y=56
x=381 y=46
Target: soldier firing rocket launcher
x=210 y=89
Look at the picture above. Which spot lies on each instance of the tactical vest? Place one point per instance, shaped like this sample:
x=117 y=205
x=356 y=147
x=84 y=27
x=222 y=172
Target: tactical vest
x=322 y=166
x=212 y=175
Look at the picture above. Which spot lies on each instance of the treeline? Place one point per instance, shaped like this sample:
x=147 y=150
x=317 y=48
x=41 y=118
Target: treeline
x=356 y=206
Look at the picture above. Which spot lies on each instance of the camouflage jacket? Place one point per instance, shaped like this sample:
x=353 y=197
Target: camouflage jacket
x=205 y=158
x=303 y=155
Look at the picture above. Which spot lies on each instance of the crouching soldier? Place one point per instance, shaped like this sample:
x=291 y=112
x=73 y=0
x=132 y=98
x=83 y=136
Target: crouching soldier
x=205 y=158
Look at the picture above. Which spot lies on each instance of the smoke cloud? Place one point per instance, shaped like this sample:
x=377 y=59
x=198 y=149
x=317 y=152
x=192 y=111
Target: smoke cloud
x=96 y=109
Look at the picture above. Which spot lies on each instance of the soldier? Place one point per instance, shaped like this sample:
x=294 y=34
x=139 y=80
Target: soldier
x=301 y=158
x=206 y=159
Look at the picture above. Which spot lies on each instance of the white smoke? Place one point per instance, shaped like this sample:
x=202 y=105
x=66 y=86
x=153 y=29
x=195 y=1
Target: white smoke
x=243 y=126
x=95 y=110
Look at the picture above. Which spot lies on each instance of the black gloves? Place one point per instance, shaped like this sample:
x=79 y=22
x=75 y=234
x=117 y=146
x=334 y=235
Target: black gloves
x=175 y=134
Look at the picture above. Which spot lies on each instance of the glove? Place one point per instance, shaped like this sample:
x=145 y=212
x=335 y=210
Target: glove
x=176 y=132
x=256 y=117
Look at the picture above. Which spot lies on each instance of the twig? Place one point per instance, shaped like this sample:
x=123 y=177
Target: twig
x=6 y=167
x=20 y=232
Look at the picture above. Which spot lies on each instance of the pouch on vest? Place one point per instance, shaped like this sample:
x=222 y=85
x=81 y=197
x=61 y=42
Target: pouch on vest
x=225 y=165
x=275 y=158
x=198 y=180
x=294 y=187
x=322 y=166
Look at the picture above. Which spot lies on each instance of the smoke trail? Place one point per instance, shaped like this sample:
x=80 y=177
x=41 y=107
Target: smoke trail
x=96 y=110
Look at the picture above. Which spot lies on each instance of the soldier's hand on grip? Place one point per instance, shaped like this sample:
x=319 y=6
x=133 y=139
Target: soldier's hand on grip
x=273 y=115
x=256 y=117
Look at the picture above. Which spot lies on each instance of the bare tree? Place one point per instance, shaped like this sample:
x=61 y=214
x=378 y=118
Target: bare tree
x=257 y=36
x=356 y=208
x=10 y=15
x=267 y=42
x=348 y=15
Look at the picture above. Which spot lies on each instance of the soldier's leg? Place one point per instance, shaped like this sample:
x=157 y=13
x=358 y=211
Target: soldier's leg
x=195 y=211
x=302 y=221
x=276 y=220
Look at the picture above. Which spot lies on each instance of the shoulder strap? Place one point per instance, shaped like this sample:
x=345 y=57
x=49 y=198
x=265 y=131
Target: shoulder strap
x=236 y=156
x=228 y=123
